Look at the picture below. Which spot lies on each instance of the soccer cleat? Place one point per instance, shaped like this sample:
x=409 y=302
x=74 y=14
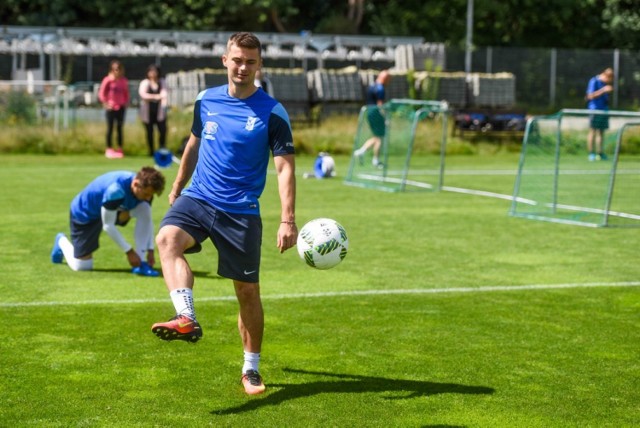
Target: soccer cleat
x=592 y=157
x=145 y=270
x=602 y=156
x=180 y=327
x=56 y=251
x=252 y=382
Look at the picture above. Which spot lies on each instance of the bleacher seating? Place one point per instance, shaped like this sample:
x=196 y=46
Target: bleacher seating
x=289 y=86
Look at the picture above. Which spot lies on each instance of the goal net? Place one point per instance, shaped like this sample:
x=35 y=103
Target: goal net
x=408 y=127
x=559 y=181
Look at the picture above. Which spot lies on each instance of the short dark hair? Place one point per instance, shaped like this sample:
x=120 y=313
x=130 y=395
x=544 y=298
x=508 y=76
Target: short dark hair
x=155 y=67
x=116 y=62
x=245 y=40
x=151 y=177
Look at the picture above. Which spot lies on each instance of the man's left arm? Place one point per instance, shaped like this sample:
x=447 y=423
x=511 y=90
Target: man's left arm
x=288 y=231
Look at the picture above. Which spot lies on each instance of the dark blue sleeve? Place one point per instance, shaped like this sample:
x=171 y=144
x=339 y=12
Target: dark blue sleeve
x=280 y=135
x=113 y=204
x=196 y=126
x=114 y=196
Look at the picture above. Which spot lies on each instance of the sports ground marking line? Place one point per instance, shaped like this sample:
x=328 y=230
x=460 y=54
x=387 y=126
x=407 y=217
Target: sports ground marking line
x=501 y=196
x=451 y=290
x=491 y=172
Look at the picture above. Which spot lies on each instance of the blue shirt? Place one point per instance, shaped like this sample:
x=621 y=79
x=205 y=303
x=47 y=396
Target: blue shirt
x=375 y=93
x=236 y=138
x=111 y=190
x=600 y=103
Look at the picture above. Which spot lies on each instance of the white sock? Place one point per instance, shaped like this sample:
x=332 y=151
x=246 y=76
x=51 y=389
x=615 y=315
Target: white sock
x=251 y=361
x=75 y=264
x=182 y=299
x=143 y=231
x=375 y=161
x=359 y=152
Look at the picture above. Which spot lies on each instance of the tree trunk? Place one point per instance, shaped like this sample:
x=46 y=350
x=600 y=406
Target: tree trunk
x=275 y=19
x=355 y=13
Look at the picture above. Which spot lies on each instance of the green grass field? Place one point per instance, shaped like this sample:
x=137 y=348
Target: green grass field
x=445 y=313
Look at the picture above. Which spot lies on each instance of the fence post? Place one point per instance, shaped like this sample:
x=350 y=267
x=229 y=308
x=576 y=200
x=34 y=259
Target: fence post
x=469 y=41
x=616 y=73
x=552 y=76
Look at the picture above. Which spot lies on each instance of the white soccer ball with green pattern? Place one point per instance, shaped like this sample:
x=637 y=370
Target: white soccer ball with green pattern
x=322 y=243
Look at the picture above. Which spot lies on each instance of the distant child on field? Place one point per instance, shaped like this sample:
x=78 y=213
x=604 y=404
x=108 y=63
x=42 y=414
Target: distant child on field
x=375 y=117
x=323 y=167
x=597 y=97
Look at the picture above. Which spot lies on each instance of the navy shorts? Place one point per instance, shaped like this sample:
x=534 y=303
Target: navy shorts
x=599 y=121
x=237 y=237
x=85 y=237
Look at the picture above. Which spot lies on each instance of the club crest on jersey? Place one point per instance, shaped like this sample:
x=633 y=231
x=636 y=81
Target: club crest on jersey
x=210 y=128
x=251 y=123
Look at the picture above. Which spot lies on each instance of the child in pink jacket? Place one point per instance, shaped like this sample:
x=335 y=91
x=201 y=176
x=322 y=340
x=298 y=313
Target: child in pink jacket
x=114 y=96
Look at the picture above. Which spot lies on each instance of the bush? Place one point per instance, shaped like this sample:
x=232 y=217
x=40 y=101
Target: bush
x=17 y=107
x=631 y=144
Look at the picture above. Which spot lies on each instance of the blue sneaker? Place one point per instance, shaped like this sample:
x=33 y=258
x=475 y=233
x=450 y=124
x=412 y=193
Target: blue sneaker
x=592 y=157
x=56 y=251
x=145 y=270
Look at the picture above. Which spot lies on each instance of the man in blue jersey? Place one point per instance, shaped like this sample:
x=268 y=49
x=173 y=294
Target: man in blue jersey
x=375 y=98
x=235 y=129
x=597 y=97
x=107 y=202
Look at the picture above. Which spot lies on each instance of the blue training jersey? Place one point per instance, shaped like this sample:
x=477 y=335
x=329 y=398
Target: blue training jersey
x=600 y=103
x=236 y=137
x=111 y=190
x=375 y=93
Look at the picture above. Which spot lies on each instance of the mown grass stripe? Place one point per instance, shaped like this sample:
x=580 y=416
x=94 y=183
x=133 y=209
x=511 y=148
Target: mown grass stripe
x=452 y=290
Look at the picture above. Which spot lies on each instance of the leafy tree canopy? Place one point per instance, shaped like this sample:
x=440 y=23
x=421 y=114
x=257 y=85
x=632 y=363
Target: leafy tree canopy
x=528 y=23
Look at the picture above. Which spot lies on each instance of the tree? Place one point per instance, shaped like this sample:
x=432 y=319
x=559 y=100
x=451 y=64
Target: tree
x=530 y=23
x=527 y=23
x=622 y=20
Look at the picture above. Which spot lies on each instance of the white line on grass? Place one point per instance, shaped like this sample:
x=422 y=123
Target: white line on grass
x=489 y=172
x=451 y=290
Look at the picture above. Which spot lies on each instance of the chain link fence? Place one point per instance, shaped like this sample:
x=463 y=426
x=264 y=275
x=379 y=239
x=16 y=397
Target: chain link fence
x=551 y=79
x=546 y=80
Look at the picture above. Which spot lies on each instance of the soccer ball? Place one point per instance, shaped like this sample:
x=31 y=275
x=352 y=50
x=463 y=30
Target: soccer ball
x=322 y=243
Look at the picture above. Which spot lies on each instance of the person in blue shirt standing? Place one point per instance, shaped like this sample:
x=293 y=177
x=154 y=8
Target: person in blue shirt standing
x=375 y=98
x=109 y=201
x=597 y=97
x=236 y=127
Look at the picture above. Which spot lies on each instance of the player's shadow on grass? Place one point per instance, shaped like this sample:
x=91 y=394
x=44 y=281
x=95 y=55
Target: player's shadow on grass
x=281 y=392
x=197 y=274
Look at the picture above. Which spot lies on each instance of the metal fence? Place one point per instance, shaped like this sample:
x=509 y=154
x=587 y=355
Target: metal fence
x=550 y=79
x=545 y=79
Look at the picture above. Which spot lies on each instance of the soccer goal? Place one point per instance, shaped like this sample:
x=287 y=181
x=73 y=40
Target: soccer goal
x=409 y=126
x=558 y=181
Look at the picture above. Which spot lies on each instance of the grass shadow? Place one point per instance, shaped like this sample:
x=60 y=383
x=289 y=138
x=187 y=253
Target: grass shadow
x=346 y=383
x=112 y=270
x=197 y=274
